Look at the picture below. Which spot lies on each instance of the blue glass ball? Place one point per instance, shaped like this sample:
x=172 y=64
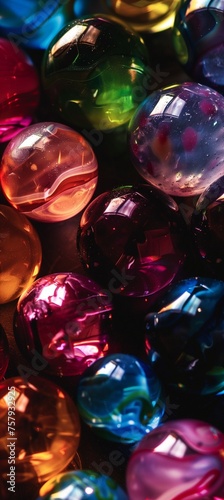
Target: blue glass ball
x=119 y=397
x=185 y=336
x=81 y=485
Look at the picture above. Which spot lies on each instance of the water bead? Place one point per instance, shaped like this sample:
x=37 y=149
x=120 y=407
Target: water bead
x=82 y=485
x=66 y=318
x=49 y=172
x=93 y=73
x=119 y=397
x=176 y=138
x=21 y=253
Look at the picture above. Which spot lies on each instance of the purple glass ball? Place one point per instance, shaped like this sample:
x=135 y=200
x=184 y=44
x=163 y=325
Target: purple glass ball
x=66 y=320
x=132 y=240
x=181 y=459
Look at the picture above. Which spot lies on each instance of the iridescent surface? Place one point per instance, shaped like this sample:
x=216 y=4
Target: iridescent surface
x=185 y=336
x=34 y=23
x=119 y=397
x=132 y=239
x=46 y=429
x=20 y=253
x=66 y=318
x=4 y=352
x=58 y=169
x=198 y=37
x=92 y=73
x=181 y=459
x=176 y=138
x=82 y=485
x=20 y=91
x=151 y=16
x=207 y=226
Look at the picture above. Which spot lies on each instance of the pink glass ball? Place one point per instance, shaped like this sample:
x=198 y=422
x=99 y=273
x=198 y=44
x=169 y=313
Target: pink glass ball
x=66 y=318
x=40 y=422
x=20 y=92
x=49 y=172
x=181 y=459
x=4 y=352
x=20 y=254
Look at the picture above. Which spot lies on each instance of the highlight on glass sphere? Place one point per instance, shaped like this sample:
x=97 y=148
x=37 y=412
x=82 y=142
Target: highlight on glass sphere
x=47 y=430
x=67 y=319
x=132 y=239
x=95 y=73
x=33 y=24
x=179 y=459
x=176 y=138
x=49 y=172
x=198 y=39
x=82 y=485
x=184 y=336
x=21 y=254
x=20 y=89
x=4 y=352
x=120 y=398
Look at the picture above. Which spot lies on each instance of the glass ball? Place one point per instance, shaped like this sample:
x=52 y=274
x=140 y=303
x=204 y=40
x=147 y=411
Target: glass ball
x=133 y=240
x=82 y=485
x=176 y=138
x=66 y=319
x=49 y=172
x=94 y=72
x=34 y=23
x=119 y=397
x=40 y=429
x=4 y=352
x=198 y=38
x=180 y=459
x=20 y=92
x=184 y=336
x=21 y=254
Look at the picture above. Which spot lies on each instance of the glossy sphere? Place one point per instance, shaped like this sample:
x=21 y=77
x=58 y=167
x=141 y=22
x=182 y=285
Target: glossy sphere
x=93 y=73
x=34 y=23
x=151 y=16
x=4 y=352
x=19 y=85
x=20 y=251
x=47 y=428
x=198 y=36
x=81 y=485
x=176 y=138
x=180 y=459
x=119 y=397
x=207 y=226
x=49 y=172
x=184 y=338
x=133 y=240
x=66 y=318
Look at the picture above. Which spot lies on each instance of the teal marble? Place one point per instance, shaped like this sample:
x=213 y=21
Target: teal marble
x=81 y=485
x=120 y=398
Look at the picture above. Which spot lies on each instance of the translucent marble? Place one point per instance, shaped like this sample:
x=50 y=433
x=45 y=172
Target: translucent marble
x=146 y=16
x=49 y=172
x=133 y=240
x=207 y=227
x=20 y=92
x=82 y=485
x=34 y=23
x=21 y=254
x=198 y=38
x=184 y=337
x=4 y=352
x=66 y=318
x=181 y=459
x=41 y=434
x=176 y=138
x=120 y=398
x=94 y=72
